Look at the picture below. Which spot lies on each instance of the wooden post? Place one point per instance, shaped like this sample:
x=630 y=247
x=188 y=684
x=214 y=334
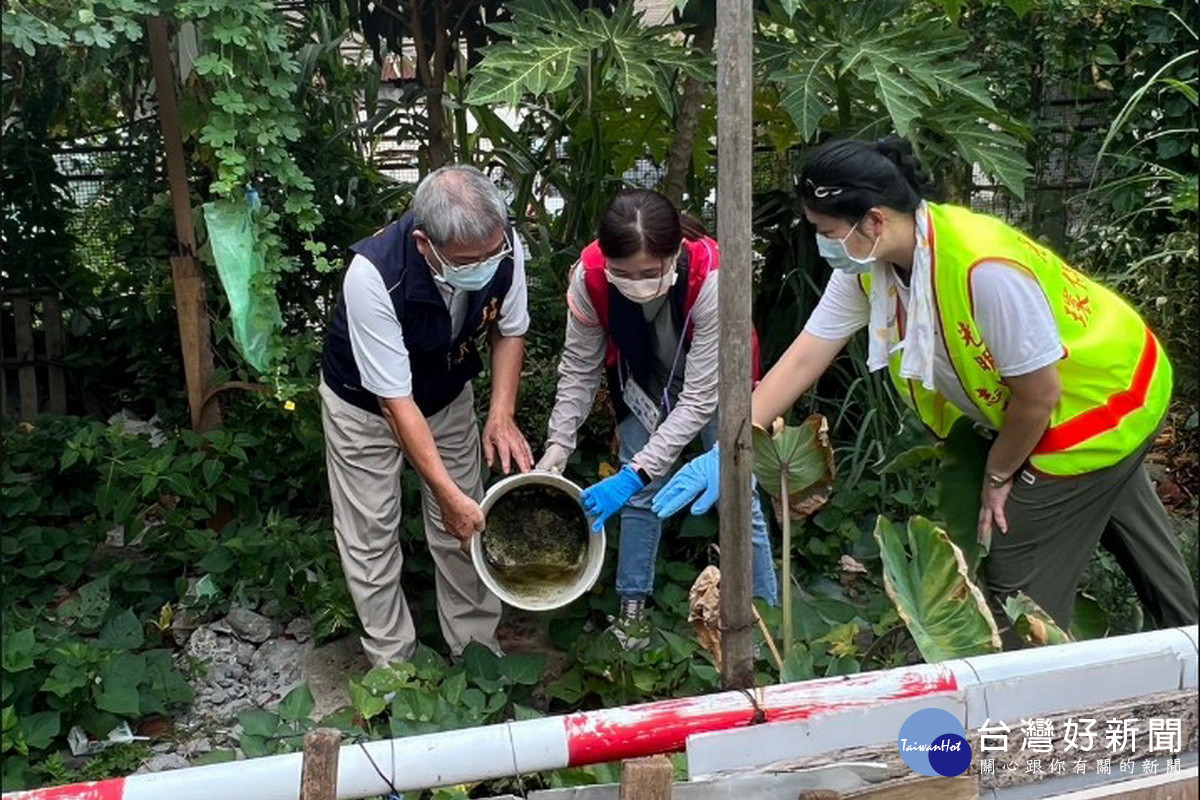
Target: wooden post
x=188 y=279
x=26 y=358
x=52 y=322
x=735 y=62
x=647 y=778
x=319 y=773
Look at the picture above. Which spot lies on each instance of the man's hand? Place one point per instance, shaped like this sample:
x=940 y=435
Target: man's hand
x=461 y=516
x=991 y=512
x=503 y=441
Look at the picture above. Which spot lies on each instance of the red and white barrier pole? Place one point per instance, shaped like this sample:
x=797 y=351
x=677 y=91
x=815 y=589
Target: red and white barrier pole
x=1028 y=681
x=494 y=751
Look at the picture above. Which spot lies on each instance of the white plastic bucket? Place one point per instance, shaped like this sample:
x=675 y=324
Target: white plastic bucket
x=550 y=595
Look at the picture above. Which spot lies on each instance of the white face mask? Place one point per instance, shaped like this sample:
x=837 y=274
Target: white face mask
x=837 y=255
x=643 y=290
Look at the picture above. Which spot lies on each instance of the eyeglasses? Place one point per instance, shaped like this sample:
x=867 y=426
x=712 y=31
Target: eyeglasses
x=822 y=191
x=505 y=250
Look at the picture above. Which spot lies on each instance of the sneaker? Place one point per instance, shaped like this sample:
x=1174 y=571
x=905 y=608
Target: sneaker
x=631 y=628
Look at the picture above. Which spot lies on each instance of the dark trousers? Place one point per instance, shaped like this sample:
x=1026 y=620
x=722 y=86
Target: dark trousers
x=1054 y=525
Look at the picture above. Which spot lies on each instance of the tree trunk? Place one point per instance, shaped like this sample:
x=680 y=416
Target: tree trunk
x=431 y=71
x=687 y=119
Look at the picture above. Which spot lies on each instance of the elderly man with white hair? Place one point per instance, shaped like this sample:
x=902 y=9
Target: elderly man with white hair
x=400 y=355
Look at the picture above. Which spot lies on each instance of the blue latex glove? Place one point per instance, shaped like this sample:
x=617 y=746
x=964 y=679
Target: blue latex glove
x=610 y=495
x=700 y=476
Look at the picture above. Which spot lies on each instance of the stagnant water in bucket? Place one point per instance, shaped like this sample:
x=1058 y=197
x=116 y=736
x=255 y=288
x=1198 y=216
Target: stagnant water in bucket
x=536 y=541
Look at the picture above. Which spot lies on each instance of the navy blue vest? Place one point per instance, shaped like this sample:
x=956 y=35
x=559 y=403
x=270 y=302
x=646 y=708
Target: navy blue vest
x=635 y=339
x=441 y=367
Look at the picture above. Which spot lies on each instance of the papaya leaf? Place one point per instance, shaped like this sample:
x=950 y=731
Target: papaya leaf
x=928 y=581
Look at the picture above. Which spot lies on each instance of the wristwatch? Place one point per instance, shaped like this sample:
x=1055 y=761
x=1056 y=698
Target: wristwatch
x=996 y=481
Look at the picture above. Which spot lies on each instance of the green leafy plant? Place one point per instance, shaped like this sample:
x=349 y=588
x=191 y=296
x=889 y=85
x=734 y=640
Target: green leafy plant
x=795 y=465
x=858 y=70
x=928 y=579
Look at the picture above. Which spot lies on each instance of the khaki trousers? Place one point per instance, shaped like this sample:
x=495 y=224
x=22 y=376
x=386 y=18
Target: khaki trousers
x=1054 y=525
x=364 y=462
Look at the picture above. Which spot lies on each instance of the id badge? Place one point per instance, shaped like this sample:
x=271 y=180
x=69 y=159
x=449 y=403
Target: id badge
x=641 y=404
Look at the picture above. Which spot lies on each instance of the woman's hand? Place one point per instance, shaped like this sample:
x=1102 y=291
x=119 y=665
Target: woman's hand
x=991 y=511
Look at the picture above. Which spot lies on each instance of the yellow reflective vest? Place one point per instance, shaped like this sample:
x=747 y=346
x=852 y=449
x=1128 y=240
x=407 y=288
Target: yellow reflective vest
x=1116 y=379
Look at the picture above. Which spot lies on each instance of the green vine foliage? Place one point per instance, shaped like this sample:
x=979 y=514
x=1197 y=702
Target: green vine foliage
x=238 y=111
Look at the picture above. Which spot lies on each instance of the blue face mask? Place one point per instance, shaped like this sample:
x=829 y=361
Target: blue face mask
x=836 y=254
x=471 y=277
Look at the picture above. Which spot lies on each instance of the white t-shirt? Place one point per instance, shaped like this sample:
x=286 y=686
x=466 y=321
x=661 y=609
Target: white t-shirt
x=376 y=337
x=1011 y=312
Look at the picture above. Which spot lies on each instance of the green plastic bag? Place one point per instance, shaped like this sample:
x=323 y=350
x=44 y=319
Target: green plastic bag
x=255 y=315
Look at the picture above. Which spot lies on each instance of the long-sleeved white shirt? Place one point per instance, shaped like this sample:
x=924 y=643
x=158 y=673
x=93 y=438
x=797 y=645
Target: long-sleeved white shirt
x=582 y=364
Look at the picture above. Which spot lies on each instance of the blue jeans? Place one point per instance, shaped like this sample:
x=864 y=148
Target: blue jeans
x=641 y=528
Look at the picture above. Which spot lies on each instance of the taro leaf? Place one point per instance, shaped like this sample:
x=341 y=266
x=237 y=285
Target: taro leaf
x=960 y=482
x=1089 y=621
x=1032 y=623
x=804 y=452
x=929 y=583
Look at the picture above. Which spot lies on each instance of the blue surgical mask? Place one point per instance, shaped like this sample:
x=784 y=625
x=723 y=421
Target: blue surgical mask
x=836 y=254
x=471 y=277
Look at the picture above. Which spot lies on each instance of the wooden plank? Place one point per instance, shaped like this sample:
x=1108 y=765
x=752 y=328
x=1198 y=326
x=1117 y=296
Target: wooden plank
x=195 y=339
x=319 y=770
x=964 y=787
x=27 y=371
x=735 y=63
x=1181 y=785
x=52 y=320
x=647 y=778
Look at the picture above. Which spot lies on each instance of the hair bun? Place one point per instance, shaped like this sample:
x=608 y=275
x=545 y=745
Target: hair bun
x=900 y=152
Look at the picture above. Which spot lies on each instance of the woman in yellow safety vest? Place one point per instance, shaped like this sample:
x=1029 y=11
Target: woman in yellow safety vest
x=971 y=317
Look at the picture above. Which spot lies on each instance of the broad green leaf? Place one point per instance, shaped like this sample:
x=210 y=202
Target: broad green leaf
x=960 y=484
x=798 y=666
x=927 y=579
x=256 y=722
x=522 y=669
x=481 y=664
x=804 y=454
x=1031 y=622
x=65 y=679
x=41 y=728
x=912 y=458
x=298 y=704
x=366 y=703
x=117 y=691
x=18 y=650
x=122 y=632
x=1089 y=621
x=87 y=607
